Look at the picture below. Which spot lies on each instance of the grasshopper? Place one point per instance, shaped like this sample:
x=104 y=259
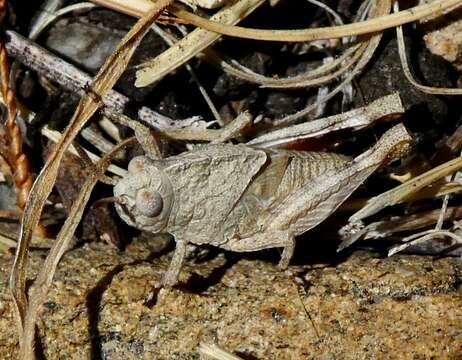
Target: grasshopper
x=242 y=198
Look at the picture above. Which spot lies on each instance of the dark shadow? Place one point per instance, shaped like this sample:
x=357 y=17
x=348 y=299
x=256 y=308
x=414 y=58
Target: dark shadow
x=93 y=303
x=38 y=349
x=151 y=299
x=448 y=251
x=197 y=284
x=245 y=356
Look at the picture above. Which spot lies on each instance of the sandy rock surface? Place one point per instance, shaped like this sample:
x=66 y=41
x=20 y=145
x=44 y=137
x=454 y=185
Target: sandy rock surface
x=365 y=307
x=444 y=38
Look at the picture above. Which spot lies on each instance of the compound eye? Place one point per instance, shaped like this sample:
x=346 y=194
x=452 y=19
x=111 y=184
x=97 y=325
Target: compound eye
x=149 y=203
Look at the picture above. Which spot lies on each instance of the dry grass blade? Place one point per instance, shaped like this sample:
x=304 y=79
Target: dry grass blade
x=105 y=79
x=55 y=136
x=321 y=75
x=47 y=271
x=407 y=70
x=381 y=8
x=437 y=189
x=436 y=8
x=192 y=44
x=415 y=221
x=51 y=13
x=407 y=190
x=359 y=28
x=357 y=119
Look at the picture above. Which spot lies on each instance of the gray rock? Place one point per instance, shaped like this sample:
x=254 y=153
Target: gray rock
x=85 y=44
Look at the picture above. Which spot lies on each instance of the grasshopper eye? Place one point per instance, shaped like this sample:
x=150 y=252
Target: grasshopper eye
x=149 y=203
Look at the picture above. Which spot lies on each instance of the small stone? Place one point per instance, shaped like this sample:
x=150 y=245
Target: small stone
x=444 y=37
x=86 y=44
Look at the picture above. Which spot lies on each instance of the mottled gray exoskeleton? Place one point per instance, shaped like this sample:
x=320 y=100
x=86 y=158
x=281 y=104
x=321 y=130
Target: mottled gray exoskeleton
x=241 y=198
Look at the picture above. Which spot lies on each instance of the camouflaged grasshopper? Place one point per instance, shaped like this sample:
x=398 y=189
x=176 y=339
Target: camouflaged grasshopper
x=242 y=198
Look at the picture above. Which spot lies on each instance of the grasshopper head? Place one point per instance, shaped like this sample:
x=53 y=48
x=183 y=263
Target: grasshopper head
x=145 y=196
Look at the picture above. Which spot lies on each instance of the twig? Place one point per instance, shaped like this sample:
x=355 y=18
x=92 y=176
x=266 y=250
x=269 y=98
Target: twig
x=231 y=130
x=76 y=80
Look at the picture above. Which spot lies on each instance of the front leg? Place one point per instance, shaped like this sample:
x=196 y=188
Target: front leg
x=287 y=253
x=171 y=276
